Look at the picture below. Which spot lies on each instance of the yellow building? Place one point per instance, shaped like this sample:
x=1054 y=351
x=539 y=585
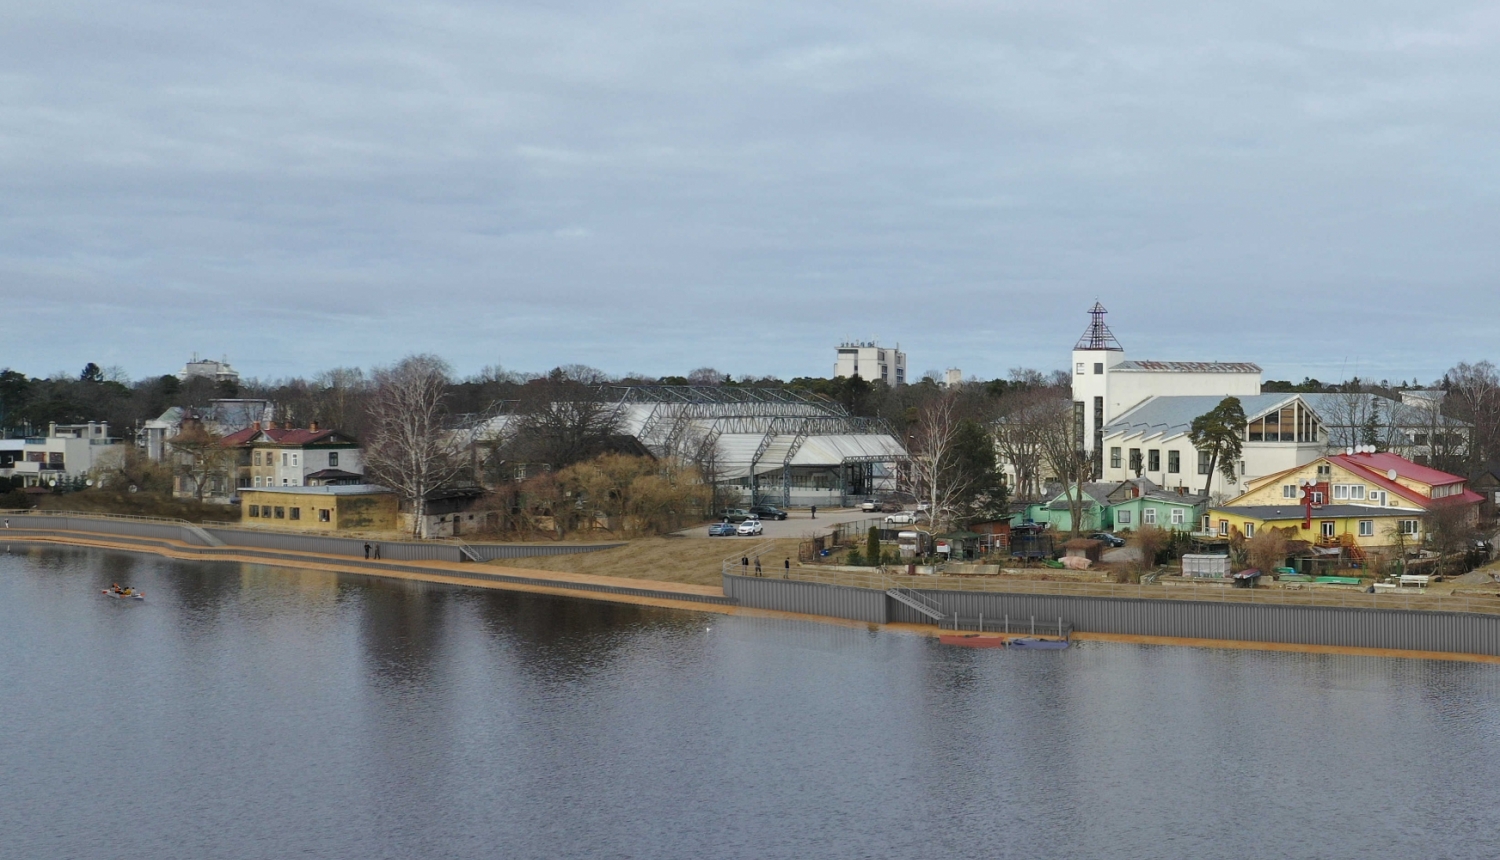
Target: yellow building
x=362 y=507
x=1366 y=499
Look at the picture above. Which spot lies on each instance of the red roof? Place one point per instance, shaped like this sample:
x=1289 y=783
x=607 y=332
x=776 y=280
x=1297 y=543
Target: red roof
x=1376 y=468
x=279 y=436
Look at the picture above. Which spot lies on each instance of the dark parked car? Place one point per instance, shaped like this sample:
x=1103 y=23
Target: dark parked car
x=734 y=515
x=1108 y=539
x=768 y=512
x=724 y=529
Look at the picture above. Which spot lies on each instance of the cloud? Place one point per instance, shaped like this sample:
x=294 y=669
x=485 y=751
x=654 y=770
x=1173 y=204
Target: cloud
x=666 y=185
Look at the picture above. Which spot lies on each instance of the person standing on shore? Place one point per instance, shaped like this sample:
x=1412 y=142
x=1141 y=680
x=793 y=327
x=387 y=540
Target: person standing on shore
x=745 y=564
x=757 y=566
x=367 y=550
x=786 y=568
x=814 y=511
x=377 y=550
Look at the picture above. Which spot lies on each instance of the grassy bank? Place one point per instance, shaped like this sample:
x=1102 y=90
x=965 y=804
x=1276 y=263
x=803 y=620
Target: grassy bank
x=665 y=559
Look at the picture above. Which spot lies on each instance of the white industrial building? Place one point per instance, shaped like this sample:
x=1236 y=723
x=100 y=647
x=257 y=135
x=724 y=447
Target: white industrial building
x=1135 y=417
x=870 y=361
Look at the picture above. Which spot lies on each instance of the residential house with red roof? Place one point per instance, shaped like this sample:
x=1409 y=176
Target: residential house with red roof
x=296 y=457
x=1362 y=498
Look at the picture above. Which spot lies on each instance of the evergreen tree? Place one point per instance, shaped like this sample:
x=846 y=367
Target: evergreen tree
x=1220 y=432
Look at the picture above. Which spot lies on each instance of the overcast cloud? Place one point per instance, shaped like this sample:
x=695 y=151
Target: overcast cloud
x=657 y=186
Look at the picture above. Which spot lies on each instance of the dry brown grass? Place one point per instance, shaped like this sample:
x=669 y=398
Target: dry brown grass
x=666 y=559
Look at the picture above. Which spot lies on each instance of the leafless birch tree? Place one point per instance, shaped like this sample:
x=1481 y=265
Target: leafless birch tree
x=411 y=449
x=1058 y=439
x=932 y=473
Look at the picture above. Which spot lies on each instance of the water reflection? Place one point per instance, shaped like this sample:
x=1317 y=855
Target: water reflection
x=275 y=712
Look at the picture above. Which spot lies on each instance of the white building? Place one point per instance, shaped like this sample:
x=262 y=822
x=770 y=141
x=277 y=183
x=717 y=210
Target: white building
x=218 y=371
x=67 y=452
x=220 y=416
x=870 y=362
x=1151 y=441
x=1106 y=385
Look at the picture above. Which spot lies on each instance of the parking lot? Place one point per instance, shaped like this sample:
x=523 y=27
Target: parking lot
x=798 y=525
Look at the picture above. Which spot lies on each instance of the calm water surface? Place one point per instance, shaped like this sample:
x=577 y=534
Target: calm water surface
x=245 y=711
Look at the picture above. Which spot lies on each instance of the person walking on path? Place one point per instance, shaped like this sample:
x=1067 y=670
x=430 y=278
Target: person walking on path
x=786 y=569
x=745 y=564
x=367 y=549
x=814 y=511
x=757 y=566
x=377 y=550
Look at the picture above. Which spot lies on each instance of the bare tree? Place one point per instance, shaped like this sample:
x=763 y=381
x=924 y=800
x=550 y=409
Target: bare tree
x=200 y=457
x=932 y=474
x=1019 y=427
x=1474 y=396
x=411 y=449
x=561 y=422
x=1061 y=450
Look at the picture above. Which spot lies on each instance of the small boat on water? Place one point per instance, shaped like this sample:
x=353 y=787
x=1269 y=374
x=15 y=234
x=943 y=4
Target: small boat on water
x=1034 y=644
x=124 y=594
x=972 y=640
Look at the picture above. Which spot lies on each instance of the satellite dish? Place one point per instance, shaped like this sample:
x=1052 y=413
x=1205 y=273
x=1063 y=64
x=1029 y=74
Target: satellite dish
x=1390 y=473
x=89 y=482
x=133 y=488
x=1348 y=450
x=52 y=483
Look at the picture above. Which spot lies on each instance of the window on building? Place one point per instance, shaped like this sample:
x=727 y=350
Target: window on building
x=1079 y=369
x=1340 y=491
x=1408 y=527
x=1114 y=457
x=1289 y=491
x=294 y=459
x=333 y=458
x=1366 y=528
x=1174 y=462
x=296 y=513
x=280 y=512
x=1224 y=528
x=1122 y=518
x=1327 y=528
x=256 y=459
x=285 y=482
x=257 y=480
x=1098 y=368
x=1178 y=517
x=1317 y=497
x=1249 y=530
x=1153 y=460
x=283 y=458
x=1148 y=516
x=1325 y=471
x=1204 y=461
x=254 y=511
x=1135 y=459
x=324 y=515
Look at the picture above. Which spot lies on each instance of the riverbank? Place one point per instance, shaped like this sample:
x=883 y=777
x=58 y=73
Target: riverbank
x=634 y=591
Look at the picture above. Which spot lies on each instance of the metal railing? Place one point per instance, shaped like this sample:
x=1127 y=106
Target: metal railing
x=33 y=512
x=882 y=580
x=1029 y=626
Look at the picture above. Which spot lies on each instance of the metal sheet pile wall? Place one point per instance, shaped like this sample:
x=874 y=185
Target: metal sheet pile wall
x=494 y=551
x=1399 y=629
x=812 y=598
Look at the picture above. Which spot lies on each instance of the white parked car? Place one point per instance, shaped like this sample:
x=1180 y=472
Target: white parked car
x=905 y=517
x=750 y=527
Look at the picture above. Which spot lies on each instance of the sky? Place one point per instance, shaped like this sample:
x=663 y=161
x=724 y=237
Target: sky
x=658 y=186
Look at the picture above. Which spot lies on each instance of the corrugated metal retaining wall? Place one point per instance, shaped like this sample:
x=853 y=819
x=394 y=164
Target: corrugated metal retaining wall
x=1400 y=629
x=812 y=598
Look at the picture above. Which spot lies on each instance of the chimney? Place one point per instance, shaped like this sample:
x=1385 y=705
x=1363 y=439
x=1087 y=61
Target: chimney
x=255 y=426
x=313 y=427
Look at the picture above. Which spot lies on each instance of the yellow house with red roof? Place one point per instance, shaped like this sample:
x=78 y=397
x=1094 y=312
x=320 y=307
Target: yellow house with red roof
x=1367 y=499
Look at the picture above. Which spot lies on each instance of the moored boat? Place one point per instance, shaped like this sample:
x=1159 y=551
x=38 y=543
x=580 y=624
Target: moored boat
x=1039 y=644
x=124 y=594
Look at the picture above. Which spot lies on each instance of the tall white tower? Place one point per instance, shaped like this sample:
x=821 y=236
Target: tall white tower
x=1093 y=356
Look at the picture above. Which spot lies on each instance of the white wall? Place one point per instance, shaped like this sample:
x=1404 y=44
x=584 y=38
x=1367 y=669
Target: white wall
x=1259 y=459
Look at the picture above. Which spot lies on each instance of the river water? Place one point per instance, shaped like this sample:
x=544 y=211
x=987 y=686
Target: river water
x=245 y=711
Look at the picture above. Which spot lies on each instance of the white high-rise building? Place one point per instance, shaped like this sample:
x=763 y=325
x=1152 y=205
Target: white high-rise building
x=1107 y=385
x=870 y=362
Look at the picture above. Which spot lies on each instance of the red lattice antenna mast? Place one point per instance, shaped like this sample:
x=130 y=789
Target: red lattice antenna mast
x=1098 y=335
